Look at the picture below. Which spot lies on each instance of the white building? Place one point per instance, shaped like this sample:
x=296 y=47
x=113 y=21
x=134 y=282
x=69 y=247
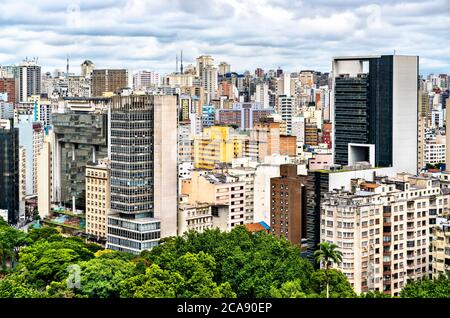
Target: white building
x=383 y=229
x=144 y=79
x=262 y=94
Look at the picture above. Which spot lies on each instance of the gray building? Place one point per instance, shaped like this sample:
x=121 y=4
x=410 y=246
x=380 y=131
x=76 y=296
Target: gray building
x=81 y=139
x=143 y=150
x=29 y=80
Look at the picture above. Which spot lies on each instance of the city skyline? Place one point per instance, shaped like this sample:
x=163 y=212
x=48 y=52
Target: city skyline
x=293 y=35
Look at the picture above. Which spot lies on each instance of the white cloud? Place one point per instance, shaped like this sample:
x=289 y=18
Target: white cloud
x=295 y=35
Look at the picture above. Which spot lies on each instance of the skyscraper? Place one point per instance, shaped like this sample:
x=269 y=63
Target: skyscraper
x=29 y=80
x=108 y=80
x=143 y=149
x=9 y=170
x=375 y=111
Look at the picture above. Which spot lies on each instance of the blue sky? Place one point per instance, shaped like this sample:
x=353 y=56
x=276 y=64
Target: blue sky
x=295 y=35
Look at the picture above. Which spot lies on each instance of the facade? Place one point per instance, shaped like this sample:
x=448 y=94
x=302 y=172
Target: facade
x=81 y=138
x=264 y=140
x=143 y=149
x=374 y=109
x=383 y=229
x=243 y=115
x=217 y=145
x=440 y=248
x=108 y=80
x=194 y=217
x=286 y=109
x=8 y=86
x=434 y=152
x=288 y=145
x=97 y=198
x=218 y=190
x=185 y=143
x=29 y=80
x=145 y=79
x=209 y=80
x=288 y=204
x=9 y=170
x=262 y=94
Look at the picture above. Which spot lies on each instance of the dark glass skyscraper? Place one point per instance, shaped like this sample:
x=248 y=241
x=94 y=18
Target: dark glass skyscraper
x=9 y=170
x=375 y=111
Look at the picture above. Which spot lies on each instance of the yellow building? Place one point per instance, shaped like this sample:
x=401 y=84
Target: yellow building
x=440 y=250
x=217 y=145
x=97 y=198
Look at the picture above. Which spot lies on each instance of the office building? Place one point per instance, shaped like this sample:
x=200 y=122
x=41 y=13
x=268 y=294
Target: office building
x=9 y=170
x=87 y=68
x=288 y=204
x=108 y=81
x=374 y=106
x=81 y=138
x=143 y=149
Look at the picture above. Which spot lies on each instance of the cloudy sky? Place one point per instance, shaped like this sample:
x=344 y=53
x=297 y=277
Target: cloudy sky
x=292 y=34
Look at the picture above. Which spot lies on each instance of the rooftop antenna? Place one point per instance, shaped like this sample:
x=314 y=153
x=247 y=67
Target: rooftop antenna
x=394 y=52
x=176 y=64
x=181 y=70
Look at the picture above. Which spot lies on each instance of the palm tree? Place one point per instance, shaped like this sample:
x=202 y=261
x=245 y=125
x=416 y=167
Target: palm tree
x=327 y=254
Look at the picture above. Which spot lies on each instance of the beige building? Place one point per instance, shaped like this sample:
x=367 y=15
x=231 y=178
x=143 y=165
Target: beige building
x=218 y=190
x=196 y=216
x=440 y=249
x=383 y=230
x=22 y=173
x=97 y=198
x=45 y=177
x=264 y=140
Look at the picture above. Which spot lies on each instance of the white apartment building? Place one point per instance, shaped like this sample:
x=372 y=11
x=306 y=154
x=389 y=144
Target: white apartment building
x=286 y=109
x=440 y=248
x=145 y=79
x=196 y=216
x=434 y=152
x=262 y=94
x=383 y=229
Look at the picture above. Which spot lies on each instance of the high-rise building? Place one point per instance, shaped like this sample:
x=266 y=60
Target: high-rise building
x=97 y=198
x=8 y=86
x=87 y=67
x=243 y=115
x=29 y=80
x=108 y=81
x=262 y=94
x=202 y=62
x=217 y=145
x=209 y=82
x=374 y=111
x=9 y=170
x=440 y=248
x=264 y=140
x=259 y=73
x=224 y=68
x=145 y=79
x=81 y=138
x=286 y=109
x=143 y=150
x=288 y=204
x=383 y=228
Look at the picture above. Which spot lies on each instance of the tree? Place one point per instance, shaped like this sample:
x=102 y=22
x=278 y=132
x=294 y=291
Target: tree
x=326 y=255
x=336 y=282
x=291 y=289
x=428 y=288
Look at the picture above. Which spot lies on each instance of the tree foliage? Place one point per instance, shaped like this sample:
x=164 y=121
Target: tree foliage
x=428 y=288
